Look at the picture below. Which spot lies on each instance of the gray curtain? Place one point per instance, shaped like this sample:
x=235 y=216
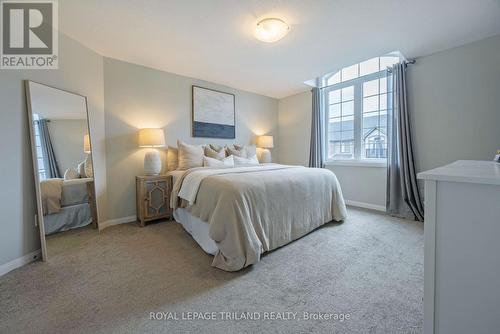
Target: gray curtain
x=49 y=157
x=403 y=196
x=316 y=149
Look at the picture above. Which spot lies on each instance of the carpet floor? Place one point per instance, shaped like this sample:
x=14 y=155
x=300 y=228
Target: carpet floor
x=367 y=273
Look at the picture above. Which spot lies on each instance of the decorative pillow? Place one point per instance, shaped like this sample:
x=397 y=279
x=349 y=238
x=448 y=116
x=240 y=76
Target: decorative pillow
x=211 y=152
x=81 y=169
x=247 y=151
x=71 y=174
x=88 y=167
x=172 y=158
x=190 y=156
x=251 y=151
x=216 y=147
x=232 y=150
x=239 y=161
x=211 y=162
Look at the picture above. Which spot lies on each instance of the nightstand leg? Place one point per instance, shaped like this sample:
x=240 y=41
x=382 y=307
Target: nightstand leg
x=142 y=223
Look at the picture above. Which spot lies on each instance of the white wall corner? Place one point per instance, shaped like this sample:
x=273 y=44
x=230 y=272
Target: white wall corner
x=366 y=205
x=21 y=261
x=117 y=221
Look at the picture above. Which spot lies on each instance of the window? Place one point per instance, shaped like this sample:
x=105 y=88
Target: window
x=357 y=100
x=38 y=147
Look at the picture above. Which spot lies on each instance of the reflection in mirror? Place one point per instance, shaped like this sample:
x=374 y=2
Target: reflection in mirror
x=62 y=155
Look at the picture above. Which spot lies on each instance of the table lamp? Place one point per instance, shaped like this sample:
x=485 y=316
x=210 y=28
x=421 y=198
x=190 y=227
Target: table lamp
x=265 y=143
x=152 y=138
x=86 y=144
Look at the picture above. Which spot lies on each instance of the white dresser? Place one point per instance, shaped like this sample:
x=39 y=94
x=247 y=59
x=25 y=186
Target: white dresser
x=462 y=248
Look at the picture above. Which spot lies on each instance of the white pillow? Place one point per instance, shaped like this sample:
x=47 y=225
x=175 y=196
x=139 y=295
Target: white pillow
x=81 y=169
x=190 y=156
x=239 y=161
x=71 y=174
x=89 y=169
x=212 y=162
x=251 y=151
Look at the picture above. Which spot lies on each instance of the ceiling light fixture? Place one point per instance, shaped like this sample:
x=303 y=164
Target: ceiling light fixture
x=271 y=30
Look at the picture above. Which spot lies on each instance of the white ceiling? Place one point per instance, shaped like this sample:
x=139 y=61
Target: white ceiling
x=213 y=39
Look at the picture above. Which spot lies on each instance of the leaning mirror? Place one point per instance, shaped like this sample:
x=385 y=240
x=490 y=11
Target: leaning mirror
x=62 y=162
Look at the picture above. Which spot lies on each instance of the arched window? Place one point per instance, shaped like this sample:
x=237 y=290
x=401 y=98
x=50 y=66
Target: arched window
x=357 y=99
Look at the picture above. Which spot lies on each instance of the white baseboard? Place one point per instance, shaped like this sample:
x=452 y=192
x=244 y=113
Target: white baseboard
x=19 y=262
x=366 y=205
x=117 y=221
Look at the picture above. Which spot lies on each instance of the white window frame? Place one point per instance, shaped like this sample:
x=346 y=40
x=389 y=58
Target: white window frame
x=357 y=83
x=41 y=168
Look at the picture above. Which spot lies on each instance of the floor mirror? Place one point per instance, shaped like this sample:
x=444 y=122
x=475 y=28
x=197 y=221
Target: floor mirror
x=62 y=163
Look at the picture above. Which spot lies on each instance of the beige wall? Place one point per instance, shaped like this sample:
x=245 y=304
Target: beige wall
x=67 y=140
x=138 y=97
x=455 y=104
x=295 y=129
x=80 y=71
x=454 y=96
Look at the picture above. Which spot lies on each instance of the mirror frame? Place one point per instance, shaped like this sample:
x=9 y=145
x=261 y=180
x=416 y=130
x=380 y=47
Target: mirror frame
x=39 y=220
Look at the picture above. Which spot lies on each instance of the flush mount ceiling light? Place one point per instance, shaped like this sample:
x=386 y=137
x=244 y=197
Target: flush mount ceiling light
x=271 y=30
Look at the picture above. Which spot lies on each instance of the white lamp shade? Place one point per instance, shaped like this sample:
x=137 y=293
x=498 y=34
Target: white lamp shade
x=86 y=144
x=151 y=138
x=265 y=141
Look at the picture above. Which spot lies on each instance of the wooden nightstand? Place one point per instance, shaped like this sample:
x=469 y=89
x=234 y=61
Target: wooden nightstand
x=153 y=197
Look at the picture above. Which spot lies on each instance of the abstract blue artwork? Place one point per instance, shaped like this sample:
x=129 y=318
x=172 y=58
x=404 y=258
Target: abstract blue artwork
x=213 y=113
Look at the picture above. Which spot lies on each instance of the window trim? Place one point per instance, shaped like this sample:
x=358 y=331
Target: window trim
x=377 y=163
x=357 y=83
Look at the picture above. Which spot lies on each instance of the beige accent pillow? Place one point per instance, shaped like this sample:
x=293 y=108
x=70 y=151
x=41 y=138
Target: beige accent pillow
x=215 y=147
x=247 y=151
x=213 y=153
x=172 y=158
x=233 y=150
x=190 y=156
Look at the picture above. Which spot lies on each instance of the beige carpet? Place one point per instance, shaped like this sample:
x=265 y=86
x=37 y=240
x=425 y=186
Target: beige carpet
x=370 y=267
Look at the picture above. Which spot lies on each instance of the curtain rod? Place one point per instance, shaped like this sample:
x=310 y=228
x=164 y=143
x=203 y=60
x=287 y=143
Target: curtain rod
x=406 y=62
x=388 y=69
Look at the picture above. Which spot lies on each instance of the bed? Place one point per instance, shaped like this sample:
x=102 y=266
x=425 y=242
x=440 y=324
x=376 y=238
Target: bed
x=66 y=204
x=237 y=214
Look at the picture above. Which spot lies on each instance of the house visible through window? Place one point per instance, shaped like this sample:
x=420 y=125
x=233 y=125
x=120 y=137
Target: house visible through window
x=357 y=100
